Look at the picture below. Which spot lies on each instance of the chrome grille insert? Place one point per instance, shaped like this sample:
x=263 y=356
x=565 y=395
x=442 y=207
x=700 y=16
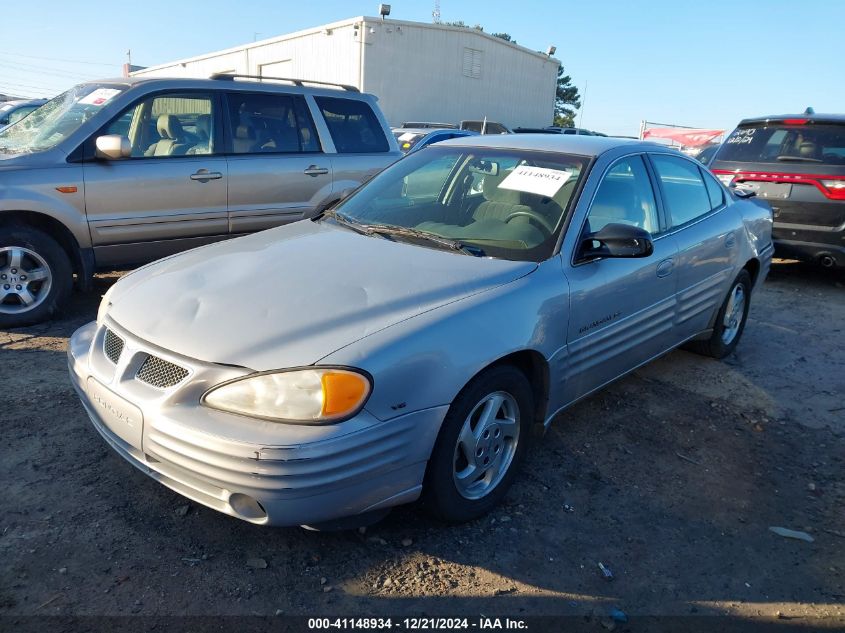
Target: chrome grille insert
x=112 y=346
x=161 y=373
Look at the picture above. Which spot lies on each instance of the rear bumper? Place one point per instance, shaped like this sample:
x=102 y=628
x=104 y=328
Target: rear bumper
x=375 y=466
x=809 y=243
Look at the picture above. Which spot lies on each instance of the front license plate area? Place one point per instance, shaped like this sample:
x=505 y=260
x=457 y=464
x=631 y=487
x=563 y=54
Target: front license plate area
x=121 y=417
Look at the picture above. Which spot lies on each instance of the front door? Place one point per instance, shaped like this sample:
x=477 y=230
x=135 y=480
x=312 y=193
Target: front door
x=707 y=232
x=171 y=193
x=277 y=169
x=621 y=310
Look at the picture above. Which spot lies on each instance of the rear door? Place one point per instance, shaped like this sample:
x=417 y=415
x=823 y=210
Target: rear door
x=278 y=171
x=707 y=232
x=622 y=311
x=171 y=193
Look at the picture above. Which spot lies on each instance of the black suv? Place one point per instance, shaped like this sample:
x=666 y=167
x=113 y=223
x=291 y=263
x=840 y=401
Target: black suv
x=796 y=163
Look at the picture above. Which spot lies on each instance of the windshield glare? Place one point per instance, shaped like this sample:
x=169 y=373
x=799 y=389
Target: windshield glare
x=57 y=119
x=509 y=203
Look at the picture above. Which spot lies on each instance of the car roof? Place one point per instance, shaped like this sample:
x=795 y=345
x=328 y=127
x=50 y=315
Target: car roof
x=815 y=118
x=231 y=84
x=563 y=143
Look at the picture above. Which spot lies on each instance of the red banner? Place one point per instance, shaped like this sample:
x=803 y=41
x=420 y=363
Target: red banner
x=684 y=136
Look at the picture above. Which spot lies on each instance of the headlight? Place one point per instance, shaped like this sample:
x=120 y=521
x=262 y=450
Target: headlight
x=318 y=395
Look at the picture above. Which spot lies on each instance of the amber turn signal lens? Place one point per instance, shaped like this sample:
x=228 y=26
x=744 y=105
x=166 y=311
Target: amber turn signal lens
x=343 y=392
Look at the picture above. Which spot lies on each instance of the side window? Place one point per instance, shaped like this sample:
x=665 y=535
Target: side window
x=270 y=123
x=684 y=191
x=168 y=125
x=625 y=196
x=354 y=127
x=714 y=190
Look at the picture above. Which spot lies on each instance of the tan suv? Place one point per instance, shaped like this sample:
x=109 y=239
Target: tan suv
x=121 y=172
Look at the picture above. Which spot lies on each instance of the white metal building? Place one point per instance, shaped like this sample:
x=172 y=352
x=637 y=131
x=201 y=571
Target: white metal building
x=419 y=72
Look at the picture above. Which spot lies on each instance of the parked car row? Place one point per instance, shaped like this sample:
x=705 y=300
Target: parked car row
x=478 y=126
x=414 y=139
x=553 y=129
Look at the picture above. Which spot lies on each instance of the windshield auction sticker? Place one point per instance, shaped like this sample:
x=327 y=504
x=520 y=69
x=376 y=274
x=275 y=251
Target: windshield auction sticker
x=99 y=96
x=539 y=180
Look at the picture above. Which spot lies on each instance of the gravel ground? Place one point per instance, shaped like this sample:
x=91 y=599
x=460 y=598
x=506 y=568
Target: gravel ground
x=671 y=478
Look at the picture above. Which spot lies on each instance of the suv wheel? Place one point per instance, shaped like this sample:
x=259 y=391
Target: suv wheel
x=730 y=322
x=480 y=446
x=35 y=276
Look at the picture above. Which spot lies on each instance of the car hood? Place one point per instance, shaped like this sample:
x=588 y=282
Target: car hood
x=290 y=296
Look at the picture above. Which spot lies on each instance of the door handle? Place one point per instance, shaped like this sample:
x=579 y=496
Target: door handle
x=203 y=175
x=313 y=170
x=730 y=241
x=665 y=268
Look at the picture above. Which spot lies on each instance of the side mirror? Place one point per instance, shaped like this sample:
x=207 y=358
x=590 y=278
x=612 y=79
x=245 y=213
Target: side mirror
x=617 y=240
x=113 y=147
x=4 y=121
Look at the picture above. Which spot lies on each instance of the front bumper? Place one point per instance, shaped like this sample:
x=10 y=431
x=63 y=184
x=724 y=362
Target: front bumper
x=262 y=472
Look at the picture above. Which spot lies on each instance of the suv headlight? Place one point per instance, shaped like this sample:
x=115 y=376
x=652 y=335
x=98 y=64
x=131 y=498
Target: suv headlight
x=316 y=395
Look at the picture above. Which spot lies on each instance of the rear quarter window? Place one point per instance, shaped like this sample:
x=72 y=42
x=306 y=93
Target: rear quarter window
x=684 y=191
x=779 y=143
x=353 y=125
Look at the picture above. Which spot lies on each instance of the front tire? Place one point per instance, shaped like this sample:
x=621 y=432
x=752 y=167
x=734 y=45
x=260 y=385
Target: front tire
x=35 y=276
x=730 y=321
x=481 y=445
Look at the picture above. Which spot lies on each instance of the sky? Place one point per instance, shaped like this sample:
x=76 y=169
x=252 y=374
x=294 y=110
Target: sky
x=683 y=62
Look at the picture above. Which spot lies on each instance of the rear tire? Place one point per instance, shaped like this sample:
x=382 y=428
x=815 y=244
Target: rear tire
x=35 y=276
x=481 y=445
x=730 y=321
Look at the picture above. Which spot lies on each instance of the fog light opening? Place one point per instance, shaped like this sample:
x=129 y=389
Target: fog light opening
x=247 y=507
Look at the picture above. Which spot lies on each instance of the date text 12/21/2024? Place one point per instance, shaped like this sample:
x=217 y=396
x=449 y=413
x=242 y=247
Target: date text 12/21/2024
x=416 y=624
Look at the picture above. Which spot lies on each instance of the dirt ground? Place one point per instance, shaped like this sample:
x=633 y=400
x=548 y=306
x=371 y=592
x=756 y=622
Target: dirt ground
x=671 y=478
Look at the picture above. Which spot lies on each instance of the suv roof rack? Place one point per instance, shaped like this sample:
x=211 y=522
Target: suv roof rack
x=296 y=82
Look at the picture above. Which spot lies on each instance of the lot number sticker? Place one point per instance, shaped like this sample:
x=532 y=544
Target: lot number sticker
x=539 y=180
x=99 y=97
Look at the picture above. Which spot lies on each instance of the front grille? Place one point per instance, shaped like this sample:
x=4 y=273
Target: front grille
x=160 y=373
x=112 y=346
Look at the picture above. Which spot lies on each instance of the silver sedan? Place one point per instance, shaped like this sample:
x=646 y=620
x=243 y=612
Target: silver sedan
x=407 y=342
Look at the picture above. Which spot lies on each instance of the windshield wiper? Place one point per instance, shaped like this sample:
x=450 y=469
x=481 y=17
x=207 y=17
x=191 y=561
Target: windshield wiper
x=405 y=231
x=803 y=159
x=389 y=230
x=346 y=221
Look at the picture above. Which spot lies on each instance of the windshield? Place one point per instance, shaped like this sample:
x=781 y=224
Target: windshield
x=504 y=203
x=57 y=119
x=782 y=143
